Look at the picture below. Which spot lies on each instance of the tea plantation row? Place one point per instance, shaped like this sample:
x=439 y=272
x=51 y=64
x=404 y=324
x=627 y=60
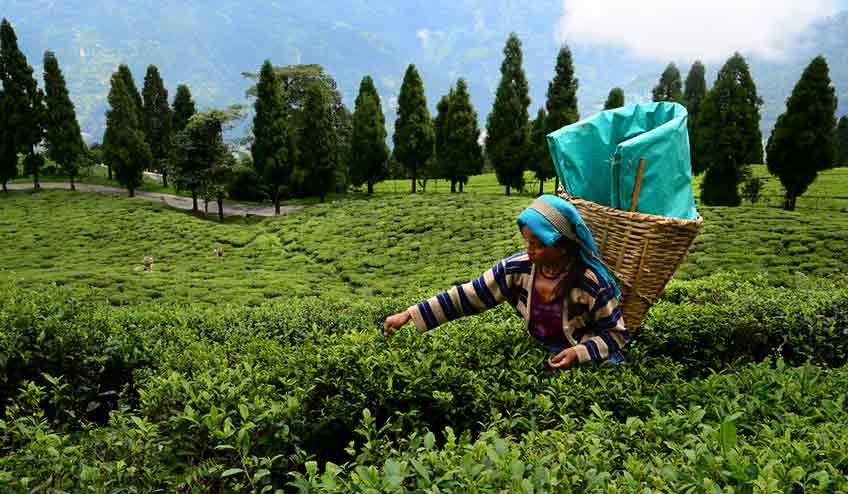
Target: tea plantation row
x=353 y=250
x=720 y=395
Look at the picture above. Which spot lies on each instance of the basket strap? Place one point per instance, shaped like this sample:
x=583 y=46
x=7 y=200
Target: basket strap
x=555 y=218
x=559 y=222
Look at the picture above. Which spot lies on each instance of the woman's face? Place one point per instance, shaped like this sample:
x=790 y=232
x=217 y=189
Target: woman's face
x=538 y=252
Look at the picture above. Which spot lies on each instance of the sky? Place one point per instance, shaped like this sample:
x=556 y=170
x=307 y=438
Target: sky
x=683 y=29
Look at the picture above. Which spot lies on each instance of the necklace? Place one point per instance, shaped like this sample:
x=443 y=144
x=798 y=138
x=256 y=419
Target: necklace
x=552 y=275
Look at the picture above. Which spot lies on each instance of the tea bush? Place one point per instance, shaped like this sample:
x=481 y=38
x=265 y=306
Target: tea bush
x=309 y=397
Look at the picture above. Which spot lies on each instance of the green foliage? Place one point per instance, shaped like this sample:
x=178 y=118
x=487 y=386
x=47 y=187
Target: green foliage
x=541 y=163
x=124 y=144
x=238 y=399
x=183 y=108
x=728 y=134
x=414 y=136
x=462 y=155
x=132 y=90
x=157 y=119
x=24 y=101
x=64 y=141
x=507 y=126
x=320 y=156
x=201 y=161
x=693 y=95
x=670 y=86
x=294 y=83
x=615 y=99
x=561 y=103
x=440 y=131
x=272 y=144
x=246 y=184
x=842 y=141
x=369 y=151
x=801 y=144
x=8 y=149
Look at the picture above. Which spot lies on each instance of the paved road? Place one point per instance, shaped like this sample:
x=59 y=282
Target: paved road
x=179 y=202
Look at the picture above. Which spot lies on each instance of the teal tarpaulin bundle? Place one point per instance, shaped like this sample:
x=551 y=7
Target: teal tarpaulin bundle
x=597 y=159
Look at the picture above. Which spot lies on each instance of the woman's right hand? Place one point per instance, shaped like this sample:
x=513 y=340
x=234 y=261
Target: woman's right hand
x=395 y=322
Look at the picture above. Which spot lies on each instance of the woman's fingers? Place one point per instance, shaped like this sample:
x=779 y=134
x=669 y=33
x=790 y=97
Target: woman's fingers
x=394 y=322
x=563 y=360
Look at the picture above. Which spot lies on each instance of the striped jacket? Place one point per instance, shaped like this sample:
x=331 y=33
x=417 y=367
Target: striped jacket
x=592 y=320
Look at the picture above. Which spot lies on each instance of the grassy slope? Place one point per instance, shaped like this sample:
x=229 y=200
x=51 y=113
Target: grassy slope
x=387 y=246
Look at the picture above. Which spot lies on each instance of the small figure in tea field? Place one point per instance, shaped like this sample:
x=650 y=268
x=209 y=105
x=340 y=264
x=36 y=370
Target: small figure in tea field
x=559 y=285
x=218 y=251
x=148 y=263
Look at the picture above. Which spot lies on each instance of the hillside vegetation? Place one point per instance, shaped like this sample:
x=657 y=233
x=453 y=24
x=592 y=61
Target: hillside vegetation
x=366 y=249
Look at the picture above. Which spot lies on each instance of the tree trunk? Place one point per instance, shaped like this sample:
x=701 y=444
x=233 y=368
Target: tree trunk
x=164 y=179
x=73 y=187
x=194 y=200
x=35 y=184
x=276 y=203
x=414 y=179
x=322 y=194
x=370 y=188
x=789 y=202
x=4 y=187
x=541 y=186
x=220 y=207
x=507 y=190
x=109 y=171
x=205 y=205
x=453 y=186
x=131 y=191
x=460 y=186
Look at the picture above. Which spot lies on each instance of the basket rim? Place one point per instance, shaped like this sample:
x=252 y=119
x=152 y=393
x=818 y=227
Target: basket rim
x=637 y=216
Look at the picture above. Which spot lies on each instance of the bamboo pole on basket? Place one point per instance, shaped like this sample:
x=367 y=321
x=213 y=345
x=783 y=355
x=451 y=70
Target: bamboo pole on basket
x=634 y=201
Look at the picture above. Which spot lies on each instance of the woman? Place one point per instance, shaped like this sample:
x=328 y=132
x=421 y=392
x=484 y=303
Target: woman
x=569 y=300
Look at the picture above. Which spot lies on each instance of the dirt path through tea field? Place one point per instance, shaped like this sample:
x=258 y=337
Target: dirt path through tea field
x=179 y=202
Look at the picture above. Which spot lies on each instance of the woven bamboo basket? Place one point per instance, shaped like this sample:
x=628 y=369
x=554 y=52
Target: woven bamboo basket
x=641 y=250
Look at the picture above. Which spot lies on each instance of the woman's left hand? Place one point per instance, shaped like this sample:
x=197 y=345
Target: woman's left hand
x=565 y=359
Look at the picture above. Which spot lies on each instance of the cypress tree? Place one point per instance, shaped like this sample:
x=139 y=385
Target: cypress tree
x=369 y=151
x=24 y=106
x=183 y=108
x=8 y=153
x=561 y=103
x=64 y=140
x=693 y=95
x=508 y=129
x=801 y=144
x=842 y=141
x=444 y=167
x=728 y=132
x=541 y=163
x=670 y=86
x=132 y=90
x=272 y=157
x=615 y=99
x=124 y=145
x=462 y=139
x=157 y=120
x=413 y=137
x=320 y=154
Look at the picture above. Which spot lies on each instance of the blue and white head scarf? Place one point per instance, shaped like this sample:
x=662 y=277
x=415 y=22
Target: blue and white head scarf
x=551 y=218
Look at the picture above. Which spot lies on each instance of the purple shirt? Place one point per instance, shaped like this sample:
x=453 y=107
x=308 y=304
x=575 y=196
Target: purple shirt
x=546 y=318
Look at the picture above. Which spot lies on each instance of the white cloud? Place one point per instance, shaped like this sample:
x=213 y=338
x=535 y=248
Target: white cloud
x=424 y=36
x=672 y=29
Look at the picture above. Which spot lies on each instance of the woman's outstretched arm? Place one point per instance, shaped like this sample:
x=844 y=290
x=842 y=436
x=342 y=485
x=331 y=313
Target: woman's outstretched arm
x=486 y=291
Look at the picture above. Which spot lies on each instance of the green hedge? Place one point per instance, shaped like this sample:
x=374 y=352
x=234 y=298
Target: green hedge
x=233 y=399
